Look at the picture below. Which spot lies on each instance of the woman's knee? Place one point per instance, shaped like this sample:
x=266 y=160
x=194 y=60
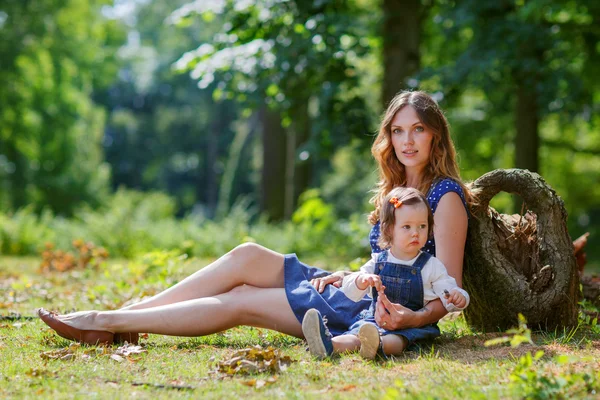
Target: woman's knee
x=241 y=289
x=247 y=251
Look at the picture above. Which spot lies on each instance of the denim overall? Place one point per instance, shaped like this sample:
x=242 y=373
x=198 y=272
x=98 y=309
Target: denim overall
x=340 y=311
x=403 y=285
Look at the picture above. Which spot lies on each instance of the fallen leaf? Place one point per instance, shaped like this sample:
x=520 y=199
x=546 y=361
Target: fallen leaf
x=260 y=383
x=254 y=360
x=57 y=354
x=129 y=349
x=117 y=357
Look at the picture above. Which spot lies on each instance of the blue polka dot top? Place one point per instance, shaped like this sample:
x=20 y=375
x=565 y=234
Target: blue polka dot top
x=438 y=189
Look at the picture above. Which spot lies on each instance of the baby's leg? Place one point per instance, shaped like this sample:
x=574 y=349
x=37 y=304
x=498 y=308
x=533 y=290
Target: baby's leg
x=394 y=344
x=345 y=343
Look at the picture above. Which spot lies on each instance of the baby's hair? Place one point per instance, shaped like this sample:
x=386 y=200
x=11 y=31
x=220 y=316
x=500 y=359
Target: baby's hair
x=404 y=196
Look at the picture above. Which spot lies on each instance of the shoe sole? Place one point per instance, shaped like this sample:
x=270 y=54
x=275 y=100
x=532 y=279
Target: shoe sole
x=312 y=334
x=369 y=341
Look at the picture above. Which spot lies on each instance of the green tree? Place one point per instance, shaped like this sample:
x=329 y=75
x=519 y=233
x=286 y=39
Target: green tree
x=519 y=81
x=531 y=59
x=164 y=133
x=296 y=59
x=53 y=54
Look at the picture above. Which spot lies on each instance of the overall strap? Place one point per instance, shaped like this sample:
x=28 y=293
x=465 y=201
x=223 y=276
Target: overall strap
x=381 y=259
x=382 y=256
x=422 y=260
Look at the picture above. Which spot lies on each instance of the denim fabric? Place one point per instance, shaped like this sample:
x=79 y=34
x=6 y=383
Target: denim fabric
x=339 y=311
x=403 y=285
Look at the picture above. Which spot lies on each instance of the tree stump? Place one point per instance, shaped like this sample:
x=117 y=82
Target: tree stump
x=520 y=263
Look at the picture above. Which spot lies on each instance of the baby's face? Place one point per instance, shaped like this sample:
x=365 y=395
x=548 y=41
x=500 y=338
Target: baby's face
x=410 y=230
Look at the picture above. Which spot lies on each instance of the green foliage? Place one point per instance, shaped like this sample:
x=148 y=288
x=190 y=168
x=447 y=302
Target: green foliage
x=530 y=380
x=134 y=223
x=162 y=132
x=559 y=378
x=520 y=335
x=347 y=186
x=53 y=55
x=299 y=58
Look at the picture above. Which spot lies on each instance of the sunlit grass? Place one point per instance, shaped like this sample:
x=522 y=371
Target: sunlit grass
x=457 y=365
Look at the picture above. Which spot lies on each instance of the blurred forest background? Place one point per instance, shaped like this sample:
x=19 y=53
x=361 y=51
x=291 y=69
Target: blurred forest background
x=192 y=126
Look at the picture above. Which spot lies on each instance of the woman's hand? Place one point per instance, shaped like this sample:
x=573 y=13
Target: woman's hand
x=334 y=279
x=392 y=316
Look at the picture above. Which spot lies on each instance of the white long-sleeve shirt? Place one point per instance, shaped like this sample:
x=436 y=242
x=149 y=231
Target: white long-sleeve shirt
x=434 y=274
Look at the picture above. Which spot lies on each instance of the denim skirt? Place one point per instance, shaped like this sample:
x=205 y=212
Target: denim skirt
x=339 y=311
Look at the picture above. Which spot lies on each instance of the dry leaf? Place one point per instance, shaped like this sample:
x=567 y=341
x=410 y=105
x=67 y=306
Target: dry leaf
x=58 y=354
x=254 y=360
x=129 y=349
x=117 y=357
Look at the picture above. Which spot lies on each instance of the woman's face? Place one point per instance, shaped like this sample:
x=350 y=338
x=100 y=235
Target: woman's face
x=411 y=139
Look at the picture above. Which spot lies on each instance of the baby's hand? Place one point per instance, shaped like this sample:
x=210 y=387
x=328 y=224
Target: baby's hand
x=364 y=281
x=455 y=297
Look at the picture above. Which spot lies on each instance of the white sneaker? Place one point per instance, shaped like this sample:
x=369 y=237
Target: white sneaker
x=368 y=334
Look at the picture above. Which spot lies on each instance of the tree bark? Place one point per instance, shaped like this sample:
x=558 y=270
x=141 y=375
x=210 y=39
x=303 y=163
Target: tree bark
x=401 y=38
x=527 y=129
x=273 y=175
x=211 y=190
x=302 y=167
x=520 y=264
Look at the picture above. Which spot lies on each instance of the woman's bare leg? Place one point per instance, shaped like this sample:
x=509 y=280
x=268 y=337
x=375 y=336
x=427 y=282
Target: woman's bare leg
x=248 y=264
x=247 y=305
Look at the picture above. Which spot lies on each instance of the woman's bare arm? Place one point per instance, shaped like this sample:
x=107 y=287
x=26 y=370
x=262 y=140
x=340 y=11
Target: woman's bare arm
x=450 y=231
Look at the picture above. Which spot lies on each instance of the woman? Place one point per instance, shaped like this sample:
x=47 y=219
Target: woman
x=252 y=285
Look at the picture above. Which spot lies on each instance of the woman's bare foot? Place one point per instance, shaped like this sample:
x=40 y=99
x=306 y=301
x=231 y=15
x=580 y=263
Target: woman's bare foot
x=88 y=320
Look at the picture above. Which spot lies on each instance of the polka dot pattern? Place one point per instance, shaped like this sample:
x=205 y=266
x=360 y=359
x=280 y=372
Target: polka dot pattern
x=438 y=189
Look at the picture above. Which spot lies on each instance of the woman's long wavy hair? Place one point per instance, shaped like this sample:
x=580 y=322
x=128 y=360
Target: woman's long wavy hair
x=442 y=158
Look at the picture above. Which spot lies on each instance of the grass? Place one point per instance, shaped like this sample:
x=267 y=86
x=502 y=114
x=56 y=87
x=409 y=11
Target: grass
x=457 y=365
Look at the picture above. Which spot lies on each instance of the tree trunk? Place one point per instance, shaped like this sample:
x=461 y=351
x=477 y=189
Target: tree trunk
x=520 y=264
x=243 y=136
x=273 y=179
x=210 y=191
x=527 y=129
x=401 y=38
x=302 y=166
